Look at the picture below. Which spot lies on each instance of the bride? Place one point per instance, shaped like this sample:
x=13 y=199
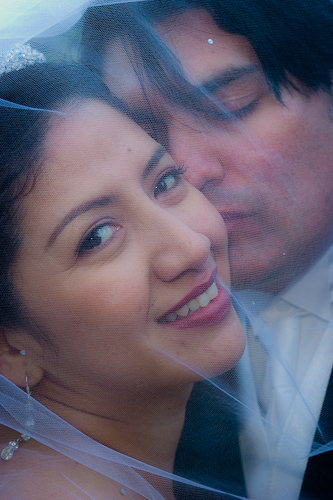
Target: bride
x=114 y=294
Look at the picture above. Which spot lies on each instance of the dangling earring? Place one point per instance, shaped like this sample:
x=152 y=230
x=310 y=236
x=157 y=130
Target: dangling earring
x=7 y=453
x=30 y=423
x=27 y=388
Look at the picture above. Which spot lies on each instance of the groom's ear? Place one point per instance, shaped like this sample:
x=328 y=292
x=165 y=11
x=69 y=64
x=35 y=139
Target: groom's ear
x=17 y=361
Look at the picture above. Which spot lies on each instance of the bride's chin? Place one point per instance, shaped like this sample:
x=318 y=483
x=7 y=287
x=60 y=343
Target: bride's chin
x=227 y=350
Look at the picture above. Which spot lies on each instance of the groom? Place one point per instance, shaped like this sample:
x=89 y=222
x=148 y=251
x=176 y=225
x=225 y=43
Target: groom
x=265 y=160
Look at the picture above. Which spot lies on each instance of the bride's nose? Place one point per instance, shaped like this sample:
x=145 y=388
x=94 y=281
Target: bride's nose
x=177 y=247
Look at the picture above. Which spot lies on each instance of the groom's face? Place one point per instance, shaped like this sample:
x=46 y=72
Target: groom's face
x=269 y=171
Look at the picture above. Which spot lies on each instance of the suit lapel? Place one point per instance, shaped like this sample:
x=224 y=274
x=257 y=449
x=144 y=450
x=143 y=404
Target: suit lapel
x=318 y=478
x=208 y=450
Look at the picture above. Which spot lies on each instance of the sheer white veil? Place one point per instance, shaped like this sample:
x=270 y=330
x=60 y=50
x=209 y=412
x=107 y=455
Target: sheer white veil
x=221 y=406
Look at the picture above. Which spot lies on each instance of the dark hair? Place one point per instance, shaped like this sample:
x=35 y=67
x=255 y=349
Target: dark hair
x=290 y=37
x=37 y=92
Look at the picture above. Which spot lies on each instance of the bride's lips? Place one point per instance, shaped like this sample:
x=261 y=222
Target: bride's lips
x=206 y=304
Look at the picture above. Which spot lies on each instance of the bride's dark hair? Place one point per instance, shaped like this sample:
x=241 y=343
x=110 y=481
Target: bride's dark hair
x=29 y=98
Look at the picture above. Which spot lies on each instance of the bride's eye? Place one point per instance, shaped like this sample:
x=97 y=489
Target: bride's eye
x=169 y=180
x=97 y=237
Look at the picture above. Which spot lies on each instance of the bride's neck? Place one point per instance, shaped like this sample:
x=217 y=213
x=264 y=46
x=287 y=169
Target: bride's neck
x=146 y=427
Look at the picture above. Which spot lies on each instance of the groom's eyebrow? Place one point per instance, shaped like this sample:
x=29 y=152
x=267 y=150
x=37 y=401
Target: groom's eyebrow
x=228 y=76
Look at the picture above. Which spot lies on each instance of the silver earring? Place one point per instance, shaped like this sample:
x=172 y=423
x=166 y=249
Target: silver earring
x=27 y=388
x=7 y=453
x=30 y=422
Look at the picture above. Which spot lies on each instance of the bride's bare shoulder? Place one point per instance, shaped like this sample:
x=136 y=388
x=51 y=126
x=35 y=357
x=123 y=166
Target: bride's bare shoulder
x=36 y=472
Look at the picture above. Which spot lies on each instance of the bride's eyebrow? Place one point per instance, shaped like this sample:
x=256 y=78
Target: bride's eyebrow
x=103 y=200
x=81 y=209
x=153 y=162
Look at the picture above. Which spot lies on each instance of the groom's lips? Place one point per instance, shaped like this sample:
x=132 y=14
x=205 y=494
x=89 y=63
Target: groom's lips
x=234 y=219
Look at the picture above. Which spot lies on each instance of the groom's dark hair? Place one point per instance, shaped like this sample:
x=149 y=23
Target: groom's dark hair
x=290 y=37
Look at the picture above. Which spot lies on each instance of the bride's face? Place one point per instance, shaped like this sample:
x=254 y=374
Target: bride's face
x=115 y=242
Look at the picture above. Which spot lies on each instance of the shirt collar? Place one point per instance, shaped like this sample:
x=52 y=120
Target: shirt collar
x=312 y=291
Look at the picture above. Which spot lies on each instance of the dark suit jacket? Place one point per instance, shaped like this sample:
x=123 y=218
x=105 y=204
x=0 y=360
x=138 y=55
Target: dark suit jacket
x=318 y=478
x=209 y=452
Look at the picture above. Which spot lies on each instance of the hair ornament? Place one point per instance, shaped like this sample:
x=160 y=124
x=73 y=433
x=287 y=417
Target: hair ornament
x=19 y=57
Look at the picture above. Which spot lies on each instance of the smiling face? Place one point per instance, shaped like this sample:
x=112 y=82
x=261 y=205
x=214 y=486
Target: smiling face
x=268 y=170
x=116 y=245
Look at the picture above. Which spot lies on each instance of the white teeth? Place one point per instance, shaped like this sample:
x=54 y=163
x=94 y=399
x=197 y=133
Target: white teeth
x=183 y=311
x=203 y=299
x=193 y=305
x=169 y=318
x=212 y=291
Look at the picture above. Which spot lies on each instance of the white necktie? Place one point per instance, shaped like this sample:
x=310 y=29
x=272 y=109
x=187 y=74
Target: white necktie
x=283 y=364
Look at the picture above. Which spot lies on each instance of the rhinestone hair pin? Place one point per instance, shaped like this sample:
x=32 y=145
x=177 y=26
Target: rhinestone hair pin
x=19 y=57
